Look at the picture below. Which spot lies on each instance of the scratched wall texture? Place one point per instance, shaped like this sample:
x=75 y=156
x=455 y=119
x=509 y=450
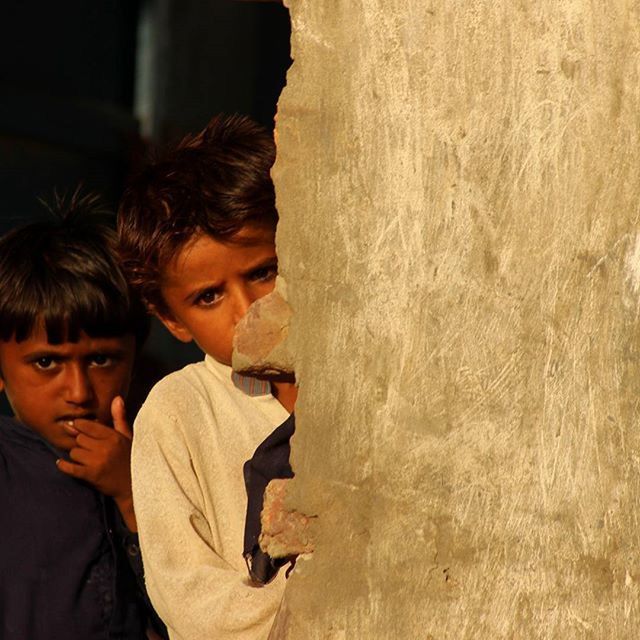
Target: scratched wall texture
x=459 y=186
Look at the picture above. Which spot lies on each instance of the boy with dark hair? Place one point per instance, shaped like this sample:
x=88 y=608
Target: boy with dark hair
x=197 y=238
x=69 y=330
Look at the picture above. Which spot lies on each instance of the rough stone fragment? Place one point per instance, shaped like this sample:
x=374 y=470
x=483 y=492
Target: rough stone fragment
x=284 y=532
x=260 y=340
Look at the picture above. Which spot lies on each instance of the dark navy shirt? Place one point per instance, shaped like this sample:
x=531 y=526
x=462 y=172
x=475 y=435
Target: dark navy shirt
x=63 y=569
x=270 y=461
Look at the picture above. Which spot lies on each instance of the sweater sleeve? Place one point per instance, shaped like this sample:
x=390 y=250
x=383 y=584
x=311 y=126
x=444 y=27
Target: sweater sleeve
x=192 y=587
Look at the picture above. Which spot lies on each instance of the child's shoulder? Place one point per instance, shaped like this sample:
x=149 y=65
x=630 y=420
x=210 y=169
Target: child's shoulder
x=176 y=389
x=30 y=483
x=182 y=392
x=15 y=438
x=10 y=442
x=205 y=376
x=180 y=380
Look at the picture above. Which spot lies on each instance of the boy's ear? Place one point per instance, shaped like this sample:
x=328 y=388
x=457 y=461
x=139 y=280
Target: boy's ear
x=175 y=327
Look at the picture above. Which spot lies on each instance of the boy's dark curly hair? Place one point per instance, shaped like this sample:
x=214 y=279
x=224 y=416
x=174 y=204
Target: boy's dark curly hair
x=212 y=183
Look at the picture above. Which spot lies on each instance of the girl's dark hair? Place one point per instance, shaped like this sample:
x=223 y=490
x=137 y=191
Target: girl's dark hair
x=212 y=183
x=64 y=272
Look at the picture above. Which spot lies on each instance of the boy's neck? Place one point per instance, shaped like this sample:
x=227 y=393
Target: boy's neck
x=286 y=393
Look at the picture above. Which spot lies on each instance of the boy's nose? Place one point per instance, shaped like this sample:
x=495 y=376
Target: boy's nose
x=79 y=389
x=243 y=299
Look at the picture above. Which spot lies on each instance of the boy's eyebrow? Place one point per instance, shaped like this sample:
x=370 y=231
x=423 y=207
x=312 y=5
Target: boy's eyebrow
x=58 y=351
x=272 y=261
x=212 y=286
x=264 y=263
x=108 y=351
x=36 y=354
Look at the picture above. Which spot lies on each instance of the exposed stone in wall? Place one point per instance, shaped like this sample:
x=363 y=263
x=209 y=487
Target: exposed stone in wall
x=459 y=190
x=260 y=345
x=284 y=533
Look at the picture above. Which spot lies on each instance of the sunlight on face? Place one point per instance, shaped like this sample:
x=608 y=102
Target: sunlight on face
x=210 y=285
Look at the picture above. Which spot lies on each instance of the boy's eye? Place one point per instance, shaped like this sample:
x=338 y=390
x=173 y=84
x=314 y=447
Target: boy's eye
x=44 y=363
x=264 y=274
x=101 y=360
x=208 y=297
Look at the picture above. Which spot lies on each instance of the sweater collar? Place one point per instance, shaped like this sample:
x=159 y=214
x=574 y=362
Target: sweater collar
x=249 y=385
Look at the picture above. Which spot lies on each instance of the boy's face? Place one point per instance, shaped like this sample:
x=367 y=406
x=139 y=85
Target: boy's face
x=209 y=286
x=48 y=385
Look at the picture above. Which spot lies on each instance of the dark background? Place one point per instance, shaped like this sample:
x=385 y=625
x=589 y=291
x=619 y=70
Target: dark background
x=87 y=87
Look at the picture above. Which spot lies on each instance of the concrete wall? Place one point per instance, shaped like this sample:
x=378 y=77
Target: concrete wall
x=459 y=191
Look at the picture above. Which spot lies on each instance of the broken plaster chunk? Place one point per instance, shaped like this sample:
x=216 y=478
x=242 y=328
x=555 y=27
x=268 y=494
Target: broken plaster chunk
x=284 y=533
x=259 y=343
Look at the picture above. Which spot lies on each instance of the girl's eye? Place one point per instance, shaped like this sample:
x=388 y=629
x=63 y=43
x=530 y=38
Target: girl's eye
x=44 y=363
x=209 y=297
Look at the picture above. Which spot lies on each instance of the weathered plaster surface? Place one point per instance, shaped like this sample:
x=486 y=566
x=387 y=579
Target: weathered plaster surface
x=459 y=189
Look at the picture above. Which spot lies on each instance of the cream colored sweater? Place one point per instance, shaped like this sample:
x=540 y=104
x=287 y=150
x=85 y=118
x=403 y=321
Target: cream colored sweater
x=191 y=439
